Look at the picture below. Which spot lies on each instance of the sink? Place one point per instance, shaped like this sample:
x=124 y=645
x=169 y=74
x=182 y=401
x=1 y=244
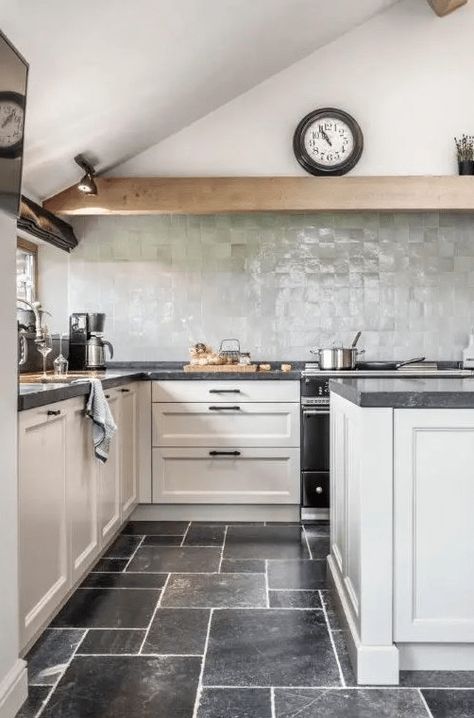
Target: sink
x=29 y=379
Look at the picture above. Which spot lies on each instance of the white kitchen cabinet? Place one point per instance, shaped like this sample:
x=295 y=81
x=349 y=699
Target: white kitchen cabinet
x=240 y=476
x=128 y=440
x=216 y=390
x=226 y=424
x=109 y=478
x=82 y=484
x=434 y=547
x=43 y=547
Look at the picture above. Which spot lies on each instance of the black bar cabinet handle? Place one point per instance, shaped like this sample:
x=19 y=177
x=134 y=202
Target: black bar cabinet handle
x=52 y=412
x=125 y=390
x=224 y=408
x=224 y=391
x=107 y=396
x=224 y=453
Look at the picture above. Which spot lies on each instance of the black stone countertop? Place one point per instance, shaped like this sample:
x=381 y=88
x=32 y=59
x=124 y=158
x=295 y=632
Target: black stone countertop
x=35 y=395
x=407 y=393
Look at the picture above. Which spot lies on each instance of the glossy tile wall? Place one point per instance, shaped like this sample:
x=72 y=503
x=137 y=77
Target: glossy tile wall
x=282 y=283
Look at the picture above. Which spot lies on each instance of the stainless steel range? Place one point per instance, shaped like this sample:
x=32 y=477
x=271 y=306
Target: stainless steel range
x=315 y=478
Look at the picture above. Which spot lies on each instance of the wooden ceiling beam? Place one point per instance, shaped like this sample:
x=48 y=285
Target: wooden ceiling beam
x=444 y=7
x=213 y=195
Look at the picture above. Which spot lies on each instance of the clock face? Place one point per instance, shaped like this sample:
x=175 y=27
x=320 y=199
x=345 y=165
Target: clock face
x=11 y=124
x=328 y=142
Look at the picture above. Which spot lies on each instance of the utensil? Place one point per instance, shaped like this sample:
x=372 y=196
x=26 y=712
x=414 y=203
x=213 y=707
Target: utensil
x=356 y=339
x=387 y=365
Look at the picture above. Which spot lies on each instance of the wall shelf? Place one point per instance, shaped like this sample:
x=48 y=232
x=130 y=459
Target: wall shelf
x=211 y=195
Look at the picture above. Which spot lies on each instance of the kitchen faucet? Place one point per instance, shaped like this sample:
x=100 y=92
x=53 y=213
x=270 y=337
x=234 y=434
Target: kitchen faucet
x=36 y=308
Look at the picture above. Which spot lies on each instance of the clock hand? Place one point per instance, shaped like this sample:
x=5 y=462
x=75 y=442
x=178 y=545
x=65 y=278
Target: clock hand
x=325 y=135
x=9 y=119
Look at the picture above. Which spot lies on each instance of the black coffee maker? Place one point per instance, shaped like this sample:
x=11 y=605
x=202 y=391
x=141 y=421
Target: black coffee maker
x=86 y=330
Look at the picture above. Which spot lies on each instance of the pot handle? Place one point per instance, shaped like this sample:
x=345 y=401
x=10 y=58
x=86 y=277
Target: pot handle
x=362 y=351
x=314 y=351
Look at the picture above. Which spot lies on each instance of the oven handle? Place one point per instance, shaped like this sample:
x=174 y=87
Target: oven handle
x=315 y=412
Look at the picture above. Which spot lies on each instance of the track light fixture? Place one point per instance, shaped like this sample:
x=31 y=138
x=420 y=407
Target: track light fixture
x=87 y=184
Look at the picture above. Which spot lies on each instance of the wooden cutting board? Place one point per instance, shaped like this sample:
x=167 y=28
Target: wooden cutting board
x=221 y=368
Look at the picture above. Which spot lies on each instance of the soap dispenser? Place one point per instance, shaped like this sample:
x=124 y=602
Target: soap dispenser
x=468 y=353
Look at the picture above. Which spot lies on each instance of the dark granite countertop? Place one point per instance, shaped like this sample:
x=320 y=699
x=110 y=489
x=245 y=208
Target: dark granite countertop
x=407 y=393
x=34 y=395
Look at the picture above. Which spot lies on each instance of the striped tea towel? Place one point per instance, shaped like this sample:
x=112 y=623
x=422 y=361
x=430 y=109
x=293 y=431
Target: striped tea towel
x=104 y=425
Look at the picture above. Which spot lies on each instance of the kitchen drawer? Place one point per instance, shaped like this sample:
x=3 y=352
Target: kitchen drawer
x=216 y=391
x=226 y=424
x=251 y=476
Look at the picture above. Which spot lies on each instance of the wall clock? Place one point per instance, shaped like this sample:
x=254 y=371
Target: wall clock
x=12 y=114
x=328 y=142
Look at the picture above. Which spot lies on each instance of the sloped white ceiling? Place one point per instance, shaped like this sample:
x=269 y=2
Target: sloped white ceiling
x=113 y=77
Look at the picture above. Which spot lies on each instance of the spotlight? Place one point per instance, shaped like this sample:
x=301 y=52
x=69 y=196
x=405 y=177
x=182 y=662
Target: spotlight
x=87 y=184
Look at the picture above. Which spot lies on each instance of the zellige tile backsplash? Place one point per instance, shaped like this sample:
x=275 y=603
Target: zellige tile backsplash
x=281 y=283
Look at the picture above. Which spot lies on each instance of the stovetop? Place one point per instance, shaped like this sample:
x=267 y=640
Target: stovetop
x=411 y=370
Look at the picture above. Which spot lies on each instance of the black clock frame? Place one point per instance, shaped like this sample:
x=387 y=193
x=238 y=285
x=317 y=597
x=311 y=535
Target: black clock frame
x=307 y=162
x=13 y=151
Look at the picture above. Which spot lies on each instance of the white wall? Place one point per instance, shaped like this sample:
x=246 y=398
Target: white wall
x=12 y=671
x=406 y=75
x=53 y=266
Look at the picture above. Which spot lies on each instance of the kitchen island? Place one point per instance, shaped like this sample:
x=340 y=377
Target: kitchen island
x=402 y=550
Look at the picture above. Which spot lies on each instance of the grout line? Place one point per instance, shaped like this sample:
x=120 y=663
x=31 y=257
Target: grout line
x=423 y=700
x=332 y=688
x=66 y=666
x=197 y=700
x=307 y=542
x=267 y=589
x=185 y=534
x=331 y=638
x=272 y=700
x=133 y=554
x=223 y=547
x=158 y=604
x=139 y=655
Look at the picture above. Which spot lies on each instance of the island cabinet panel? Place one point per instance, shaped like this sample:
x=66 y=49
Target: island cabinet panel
x=251 y=476
x=434 y=545
x=82 y=485
x=128 y=439
x=109 y=478
x=43 y=547
x=229 y=424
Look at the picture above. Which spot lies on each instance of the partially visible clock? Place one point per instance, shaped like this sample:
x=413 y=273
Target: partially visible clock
x=328 y=142
x=12 y=115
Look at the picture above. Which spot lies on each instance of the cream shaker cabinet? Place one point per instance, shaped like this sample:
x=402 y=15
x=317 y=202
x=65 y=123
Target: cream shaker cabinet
x=44 y=556
x=70 y=504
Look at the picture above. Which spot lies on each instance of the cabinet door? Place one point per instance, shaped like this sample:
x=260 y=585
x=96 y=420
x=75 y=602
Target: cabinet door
x=82 y=469
x=109 y=478
x=43 y=546
x=128 y=430
x=434 y=547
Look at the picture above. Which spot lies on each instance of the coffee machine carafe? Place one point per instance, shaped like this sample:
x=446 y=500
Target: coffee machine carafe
x=86 y=346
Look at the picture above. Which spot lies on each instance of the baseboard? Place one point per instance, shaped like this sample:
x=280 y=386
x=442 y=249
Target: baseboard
x=13 y=690
x=372 y=664
x=436 y=656
x=216 y=512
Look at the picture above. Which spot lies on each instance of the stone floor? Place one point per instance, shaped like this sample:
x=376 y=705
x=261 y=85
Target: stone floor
x=197 y=620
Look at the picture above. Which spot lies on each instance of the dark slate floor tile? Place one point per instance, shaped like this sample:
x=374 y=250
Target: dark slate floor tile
x=332 y=611
x=162 y=541
x=235 y=703
x=123 y=547
x=437 y=679
x=344 y=660
x=110 y=565
x=123 y=686
x=108 y=608
x=178 y=631
x=317 y=529
x=265 y=542
x=47 y=659
x=450 y=704
x=215 y=590
x=387 y=703
x=106 y=641
x=295 y=599
x=283 y=523
x=297 y=574
x=36 y=698
x=227 y=523
x=124 y=580
x=273 y=647
x=231 y=565
x=319 y=546
x=157 y=528
x=165 y=559
x=205 y=536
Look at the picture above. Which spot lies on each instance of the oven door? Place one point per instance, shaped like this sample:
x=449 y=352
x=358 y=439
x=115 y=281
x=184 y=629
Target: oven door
x=315 y=457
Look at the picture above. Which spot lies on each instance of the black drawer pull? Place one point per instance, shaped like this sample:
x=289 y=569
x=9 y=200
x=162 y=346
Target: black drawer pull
x=124 y=390
x=224 y=453
x=52 y=412
x=224 y=408
x=107 y=396
x=224 y=391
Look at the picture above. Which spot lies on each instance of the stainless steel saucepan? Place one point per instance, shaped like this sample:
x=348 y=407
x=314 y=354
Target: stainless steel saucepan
x=338 y=358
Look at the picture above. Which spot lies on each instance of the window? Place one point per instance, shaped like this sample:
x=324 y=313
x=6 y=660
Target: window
x=26 y=270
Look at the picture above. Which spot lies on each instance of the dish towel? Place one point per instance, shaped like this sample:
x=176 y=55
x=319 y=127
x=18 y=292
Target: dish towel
x=104 y=426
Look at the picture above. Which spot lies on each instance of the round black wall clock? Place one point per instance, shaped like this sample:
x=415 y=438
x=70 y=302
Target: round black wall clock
x=12 y=111
x=328 y=142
